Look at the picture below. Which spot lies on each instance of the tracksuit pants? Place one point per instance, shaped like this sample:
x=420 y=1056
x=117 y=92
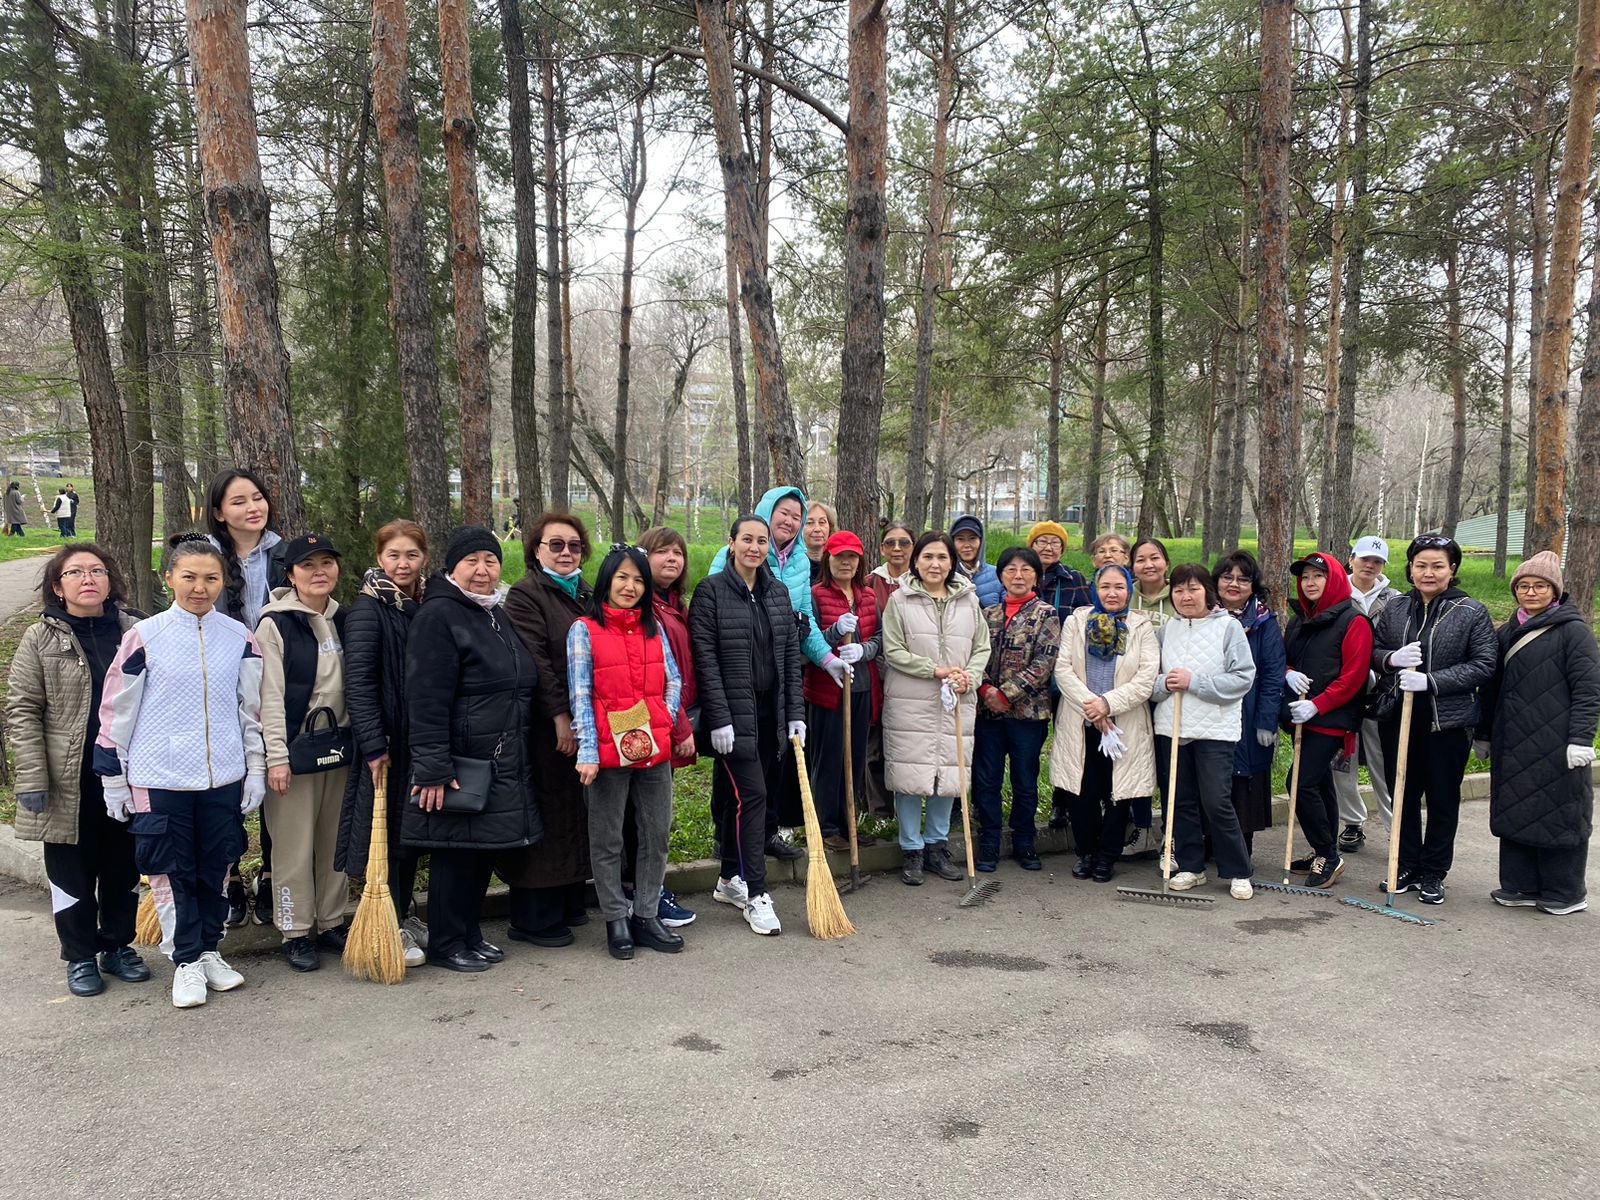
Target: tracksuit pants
x=94 y=885
x=650 y=791
x=740 y=785
x=184 y=841
x=1205 y=785
x=1347 y=784
x=308 y=895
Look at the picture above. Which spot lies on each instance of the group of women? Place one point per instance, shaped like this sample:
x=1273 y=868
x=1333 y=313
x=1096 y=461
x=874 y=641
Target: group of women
x=532 y=732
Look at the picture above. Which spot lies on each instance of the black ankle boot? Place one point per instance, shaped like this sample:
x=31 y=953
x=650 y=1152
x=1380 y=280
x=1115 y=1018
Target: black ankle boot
x=619 y=938
x=649 y=931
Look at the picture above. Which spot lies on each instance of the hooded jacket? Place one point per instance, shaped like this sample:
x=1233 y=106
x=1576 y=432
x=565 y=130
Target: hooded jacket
x=1065 y=589
x=1330 y=641
x=1544 y=697
x=262 y=572
x=1459 y=650
x=792 y=569
x=1158 y=607
x=725 y=636
x=984 y=577
x=302 y=668
x=1374 y=602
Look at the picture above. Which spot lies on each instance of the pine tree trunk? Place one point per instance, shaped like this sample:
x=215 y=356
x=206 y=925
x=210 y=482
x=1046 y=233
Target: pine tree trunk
x=1278 y=468
x=355 y=368
x=411 y=307
x=1327 y=535
x=1457 y=364
x=635 y=172
x=1093 y=503
x=1539 y=272
x=466 y=264
x=1156 y=426
x=1502 y=521
x=560 y=418
x=1052 y=445
x=113 y=470
x=741 y=401
x=1548 y=517
x=255 y=365
x=1583 y=551
x=1222 y=464
x=772 y=386
x=202 y=343
x=525 y=290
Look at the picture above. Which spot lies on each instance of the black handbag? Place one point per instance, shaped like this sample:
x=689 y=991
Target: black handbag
x=1383 y=701
x=317 y=749
x=474 y=778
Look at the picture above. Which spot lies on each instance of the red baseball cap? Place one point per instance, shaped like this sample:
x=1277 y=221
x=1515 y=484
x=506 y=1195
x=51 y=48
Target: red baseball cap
x=844 y=542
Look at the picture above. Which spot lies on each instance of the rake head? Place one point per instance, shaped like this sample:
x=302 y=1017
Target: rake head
x=851 y=883
x=1386 y=910
x=1159 y=897
x=979 y=892
x=1293 y=889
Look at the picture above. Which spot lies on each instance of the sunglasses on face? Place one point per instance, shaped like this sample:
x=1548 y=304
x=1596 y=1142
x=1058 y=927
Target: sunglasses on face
x=897 y=543
x=559 y=546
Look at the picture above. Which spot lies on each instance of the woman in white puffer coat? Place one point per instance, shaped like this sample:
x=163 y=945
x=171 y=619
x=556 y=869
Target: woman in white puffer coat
x=1206 y=657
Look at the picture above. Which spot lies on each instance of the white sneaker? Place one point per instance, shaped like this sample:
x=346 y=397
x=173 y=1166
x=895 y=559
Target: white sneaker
x=758 y=913
x=731 y=891
x=220 y=977
x=189 y=986
x=1240 y=889
x=1184 y=880
x=418 y=929
x=413 y=954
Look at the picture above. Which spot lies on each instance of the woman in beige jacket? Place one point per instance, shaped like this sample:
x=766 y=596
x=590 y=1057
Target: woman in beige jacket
x=936 y=644
x=1104 y=753
x=302 y=661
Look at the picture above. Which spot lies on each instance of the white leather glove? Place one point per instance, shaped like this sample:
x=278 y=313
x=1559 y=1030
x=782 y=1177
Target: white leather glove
x=1112 y=745
x=847 y=623
x=797 y=729
x=1302 y=711
x=838 y=668
x=119 y=801
x=1579 y=757
x=1481 y=749
x=722 y=739
x=1299 y=683
x=851 y=652
x=255 y=791
x=1266 y=737
x=947 y=696
x=1409 y=655
x=1413 y=681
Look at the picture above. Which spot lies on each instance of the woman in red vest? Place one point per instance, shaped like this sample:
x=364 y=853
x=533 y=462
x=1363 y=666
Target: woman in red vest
x=847 y=614
x=625 y=691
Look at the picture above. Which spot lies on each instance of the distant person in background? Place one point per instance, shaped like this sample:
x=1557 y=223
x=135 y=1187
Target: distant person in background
x=967 y=534
x=822 y=522
x=1370 y=592
x=15 y=517
x=1061 y=586
x=72 y=516
x=60 y=512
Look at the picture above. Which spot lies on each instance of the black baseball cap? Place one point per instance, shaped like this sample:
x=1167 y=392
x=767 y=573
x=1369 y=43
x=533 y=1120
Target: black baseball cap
x=305 y=546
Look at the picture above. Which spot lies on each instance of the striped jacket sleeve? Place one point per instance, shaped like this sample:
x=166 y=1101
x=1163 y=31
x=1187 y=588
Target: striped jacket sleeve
x=119 y=709
x=255 y=752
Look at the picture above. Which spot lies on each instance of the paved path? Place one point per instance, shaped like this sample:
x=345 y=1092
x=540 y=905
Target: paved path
x=19 y=583
x=1053 y=1042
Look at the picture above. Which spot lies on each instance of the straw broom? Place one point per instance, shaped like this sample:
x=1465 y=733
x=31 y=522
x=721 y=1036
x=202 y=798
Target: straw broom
x=824 y=911
x=373 y=950
x=147 y=929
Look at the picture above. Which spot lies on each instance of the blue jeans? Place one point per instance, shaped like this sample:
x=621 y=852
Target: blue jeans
x=993 y=741
x=908 y=812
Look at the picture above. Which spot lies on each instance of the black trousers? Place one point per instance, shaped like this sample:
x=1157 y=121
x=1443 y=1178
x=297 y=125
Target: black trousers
x=457 y=883
x=403 y=878
x=545 y=910
x=740 y=785
x=1316 y=805
x=1436 y=762
x=184 y=843
x=94 y=885
x=1555 y=874
x=825 y=758
x=1204 y=803
x=1099 y=823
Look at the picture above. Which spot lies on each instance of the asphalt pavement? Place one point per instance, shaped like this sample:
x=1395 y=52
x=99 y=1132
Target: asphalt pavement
x=1054 y=1041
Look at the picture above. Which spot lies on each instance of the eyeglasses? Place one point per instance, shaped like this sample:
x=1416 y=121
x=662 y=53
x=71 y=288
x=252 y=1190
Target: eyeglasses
x=897 y=543
x=1236 y=580
x=77 y=573
x=560 y=546
x=1533 y=585
x=1048 y=541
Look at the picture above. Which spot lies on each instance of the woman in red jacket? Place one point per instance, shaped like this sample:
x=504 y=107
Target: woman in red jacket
x=847 y=614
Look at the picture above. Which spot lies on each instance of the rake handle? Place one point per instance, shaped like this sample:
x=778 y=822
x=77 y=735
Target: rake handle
x=1170 y=800
x=1397 y=799
x=1294 y=791
x=966 y=816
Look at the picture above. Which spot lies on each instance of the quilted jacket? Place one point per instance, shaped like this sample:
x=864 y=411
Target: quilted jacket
x=1022 y=659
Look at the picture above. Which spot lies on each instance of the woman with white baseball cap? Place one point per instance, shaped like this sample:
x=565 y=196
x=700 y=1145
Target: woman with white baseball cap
x=1370 y=591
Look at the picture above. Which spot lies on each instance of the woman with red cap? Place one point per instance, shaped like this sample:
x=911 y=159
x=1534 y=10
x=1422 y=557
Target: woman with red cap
x=847 y=614
x=1328 y=645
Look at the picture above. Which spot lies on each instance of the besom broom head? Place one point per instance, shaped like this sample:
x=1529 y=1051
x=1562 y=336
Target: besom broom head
x=372 y=949
x=147 y=927
x=825 y=913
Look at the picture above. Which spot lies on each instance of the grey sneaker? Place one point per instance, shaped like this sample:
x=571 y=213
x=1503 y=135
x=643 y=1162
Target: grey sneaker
x=1510 y=899
x=418 y=929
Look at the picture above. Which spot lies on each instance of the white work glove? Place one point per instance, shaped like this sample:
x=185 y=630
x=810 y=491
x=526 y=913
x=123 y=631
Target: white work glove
x=119 y=801
x=1299 y=682
x=1302 y=711
x=1266 y=737
x=838 y=668
x=1409 y=655
x=1112 y=745
x=1481 y=749
x=1413 y=681
x=947 y=696
x=797 y=729
x=851 y=652
x=846 y=624
x=722 y=739
x=255 y=791
x=1579 y=757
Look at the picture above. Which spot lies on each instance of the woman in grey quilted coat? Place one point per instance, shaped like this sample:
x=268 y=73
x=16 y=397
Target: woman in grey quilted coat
x=1537 y=731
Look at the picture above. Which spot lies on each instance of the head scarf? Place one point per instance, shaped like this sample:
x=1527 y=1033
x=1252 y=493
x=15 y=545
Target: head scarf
x=1108 y=631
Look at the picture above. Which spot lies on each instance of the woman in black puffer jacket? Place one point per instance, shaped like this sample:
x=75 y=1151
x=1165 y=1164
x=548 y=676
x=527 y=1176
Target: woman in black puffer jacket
x=1537 y=731
x=747 y=663
x=1438 y=643
x=469 y=696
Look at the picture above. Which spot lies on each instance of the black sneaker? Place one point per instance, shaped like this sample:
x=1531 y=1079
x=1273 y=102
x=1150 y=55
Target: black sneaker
x=1511 y=899
x=301 y=953
x=1431 y=889
x=936 y=858
x=333 y=939
x=1324 y=871
x=1351 y=839
x=238 y=903
x=911 y=867
x=1404 y=881
x=1027 y=857
x=783 y=849
x=261 y=910
x=1083 y=868
x=1300 y=866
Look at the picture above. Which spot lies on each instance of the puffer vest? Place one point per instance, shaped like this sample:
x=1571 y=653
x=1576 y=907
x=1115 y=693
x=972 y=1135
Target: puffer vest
x=631 y=720
x=1201 y=646
x=1315 y=648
